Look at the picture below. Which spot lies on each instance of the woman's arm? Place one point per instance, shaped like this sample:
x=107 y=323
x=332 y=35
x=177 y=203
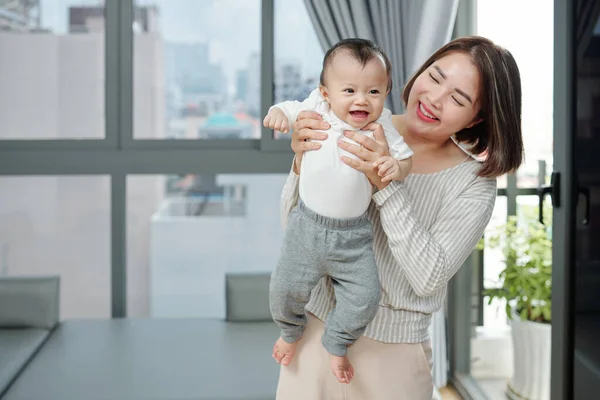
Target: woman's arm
x=289 y=195
x=430 y=257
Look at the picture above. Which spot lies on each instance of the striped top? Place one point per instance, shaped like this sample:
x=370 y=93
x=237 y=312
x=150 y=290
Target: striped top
x=424 y=228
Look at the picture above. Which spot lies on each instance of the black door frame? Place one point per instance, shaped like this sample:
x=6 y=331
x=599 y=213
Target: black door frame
x=564 y=215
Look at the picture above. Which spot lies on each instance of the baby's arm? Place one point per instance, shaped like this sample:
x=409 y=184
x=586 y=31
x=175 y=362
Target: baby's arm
x=282 y=115
x=391 y=169
x=397 y=166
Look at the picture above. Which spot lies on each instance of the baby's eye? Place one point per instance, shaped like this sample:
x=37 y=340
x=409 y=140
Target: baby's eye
x=349 y=90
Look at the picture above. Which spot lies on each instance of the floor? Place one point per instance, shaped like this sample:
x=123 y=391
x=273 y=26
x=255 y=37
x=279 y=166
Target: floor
x=495 y=389
x=449 y=393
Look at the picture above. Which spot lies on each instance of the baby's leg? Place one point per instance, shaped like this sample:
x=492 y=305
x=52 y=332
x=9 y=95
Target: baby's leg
x=357 y=292
x=297 y=272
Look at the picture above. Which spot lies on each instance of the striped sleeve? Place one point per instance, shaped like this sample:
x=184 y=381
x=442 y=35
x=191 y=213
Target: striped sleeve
x=289 y=195
x=428 y=258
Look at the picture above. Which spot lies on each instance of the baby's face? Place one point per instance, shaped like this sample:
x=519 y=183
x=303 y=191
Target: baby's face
x=356 y=94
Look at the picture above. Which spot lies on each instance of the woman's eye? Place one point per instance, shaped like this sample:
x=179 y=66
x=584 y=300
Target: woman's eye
x=433 y=78
x=457 y=102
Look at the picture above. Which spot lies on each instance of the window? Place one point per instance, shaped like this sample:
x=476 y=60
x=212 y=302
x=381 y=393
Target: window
x=51 y=225
x=186 y=232
x=534 y=57
x=194 y=76
x=177 y=44
x=298 y=54
x=491 y=355
x=52 y=70
x=536 y=68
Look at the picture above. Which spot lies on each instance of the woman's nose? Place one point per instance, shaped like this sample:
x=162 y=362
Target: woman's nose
x=436 y=98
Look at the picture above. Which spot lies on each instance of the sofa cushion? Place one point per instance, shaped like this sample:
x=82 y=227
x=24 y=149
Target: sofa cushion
x=153 y=359
x=16 y=348
x=29 y=301
x=247 y=297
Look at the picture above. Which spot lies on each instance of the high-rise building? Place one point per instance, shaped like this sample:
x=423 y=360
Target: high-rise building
x=91 y=19
x=19 y=15
x=241 y=87
x=288 y=82
x=197 y=78
x=253 y=86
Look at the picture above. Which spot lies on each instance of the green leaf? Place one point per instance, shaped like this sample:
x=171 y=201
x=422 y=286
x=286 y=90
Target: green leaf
x=547 y=311
x=536 y=313
x=526 y=279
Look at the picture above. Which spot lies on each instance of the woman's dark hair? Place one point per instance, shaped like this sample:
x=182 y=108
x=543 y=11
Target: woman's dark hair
x=362 y=50
x=499 y=133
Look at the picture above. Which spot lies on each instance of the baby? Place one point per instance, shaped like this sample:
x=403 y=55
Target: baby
x=328 y=232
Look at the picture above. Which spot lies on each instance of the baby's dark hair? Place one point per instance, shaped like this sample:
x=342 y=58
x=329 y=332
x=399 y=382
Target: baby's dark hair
x=362 y=50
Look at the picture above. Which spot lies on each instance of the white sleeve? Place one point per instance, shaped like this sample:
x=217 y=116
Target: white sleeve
x=398 y=147
x=291 y=109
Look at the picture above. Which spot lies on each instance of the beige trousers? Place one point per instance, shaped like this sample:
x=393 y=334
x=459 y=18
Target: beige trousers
x=382 y=371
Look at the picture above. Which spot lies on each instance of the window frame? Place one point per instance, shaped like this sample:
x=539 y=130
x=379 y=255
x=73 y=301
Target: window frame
x=118 y=154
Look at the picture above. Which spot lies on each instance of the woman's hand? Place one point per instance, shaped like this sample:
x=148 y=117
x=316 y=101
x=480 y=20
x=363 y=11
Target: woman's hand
x=368 y=151
x=305 y=134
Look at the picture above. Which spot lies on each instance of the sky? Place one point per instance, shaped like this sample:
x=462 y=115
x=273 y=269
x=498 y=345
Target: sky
x=232 y=27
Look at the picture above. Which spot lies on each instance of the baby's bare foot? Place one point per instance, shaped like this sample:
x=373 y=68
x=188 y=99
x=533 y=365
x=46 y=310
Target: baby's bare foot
x=283 y=352
x=341 y=368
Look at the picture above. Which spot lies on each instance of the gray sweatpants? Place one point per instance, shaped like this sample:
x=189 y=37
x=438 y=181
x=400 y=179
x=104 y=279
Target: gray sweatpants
x=315 y=246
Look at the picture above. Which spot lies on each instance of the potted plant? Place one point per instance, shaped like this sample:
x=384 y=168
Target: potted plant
x=526 y=285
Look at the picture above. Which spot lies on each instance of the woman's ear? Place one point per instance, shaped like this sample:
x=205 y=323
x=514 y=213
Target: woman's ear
x=475 y=122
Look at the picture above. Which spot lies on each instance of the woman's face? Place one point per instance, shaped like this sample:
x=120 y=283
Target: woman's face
x=444 y=99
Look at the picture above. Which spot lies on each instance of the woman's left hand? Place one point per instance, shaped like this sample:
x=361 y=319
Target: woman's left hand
x=368 y=152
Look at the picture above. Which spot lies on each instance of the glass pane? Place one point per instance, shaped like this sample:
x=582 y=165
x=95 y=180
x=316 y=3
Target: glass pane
x=298 y=54
x=492 y=346
x=186 y=232
x=537 y=83
x=59 y=226
x=52 y=69
x=585 y=271
x=490 y=355
x=194 y=76
x=493 y=314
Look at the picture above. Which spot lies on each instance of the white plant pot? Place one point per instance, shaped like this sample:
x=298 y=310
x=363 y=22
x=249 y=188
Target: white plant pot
x=531 y=347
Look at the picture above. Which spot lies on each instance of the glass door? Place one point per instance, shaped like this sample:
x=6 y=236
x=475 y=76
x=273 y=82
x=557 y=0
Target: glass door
x=576 y=198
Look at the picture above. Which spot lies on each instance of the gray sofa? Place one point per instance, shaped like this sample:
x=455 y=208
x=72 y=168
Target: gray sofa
x=138 y=359
x=28 y=315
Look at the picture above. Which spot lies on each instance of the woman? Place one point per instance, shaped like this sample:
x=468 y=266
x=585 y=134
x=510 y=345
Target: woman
x=468 y=92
